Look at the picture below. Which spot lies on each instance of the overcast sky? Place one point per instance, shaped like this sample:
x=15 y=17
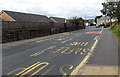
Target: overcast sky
x=56 y=8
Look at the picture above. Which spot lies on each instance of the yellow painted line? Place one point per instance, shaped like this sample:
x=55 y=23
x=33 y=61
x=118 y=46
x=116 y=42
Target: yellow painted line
x=84 y=50
x=82 y=43
x=58 y=50
x=101 y=31
x=60 y=39
x=69 y=52
x=92 y=49
x=44 y=39
x=71 y=67
x=81 y=53
x=75 y=71
x=86 y=44
x=53 y=47
x=48 y=70
x=28 y=68
x=79 y=43
x=75 y=43
x=15 y=70
x=35 y=67
x=62 y=69
x=40 y=68
x=39 y=40
x=71 y=44
x=97 y=38
x=65 y=49
x=78 y=50
x=88 y=49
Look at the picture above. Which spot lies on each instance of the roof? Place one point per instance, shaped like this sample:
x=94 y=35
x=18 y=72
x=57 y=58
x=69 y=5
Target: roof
x=58 y=20
x=105 y=18
x=18 y=16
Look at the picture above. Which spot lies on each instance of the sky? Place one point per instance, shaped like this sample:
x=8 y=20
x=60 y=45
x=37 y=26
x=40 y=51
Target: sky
x=57 y=8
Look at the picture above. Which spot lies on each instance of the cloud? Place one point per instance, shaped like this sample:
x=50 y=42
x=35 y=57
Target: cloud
x=60 y=8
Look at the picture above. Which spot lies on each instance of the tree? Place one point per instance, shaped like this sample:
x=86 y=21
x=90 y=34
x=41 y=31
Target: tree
x=75 y=20
x=111 y=8
x=78 y=22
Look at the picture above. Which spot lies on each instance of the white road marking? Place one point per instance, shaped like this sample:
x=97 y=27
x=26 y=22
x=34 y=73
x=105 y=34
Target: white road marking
x=41 y=52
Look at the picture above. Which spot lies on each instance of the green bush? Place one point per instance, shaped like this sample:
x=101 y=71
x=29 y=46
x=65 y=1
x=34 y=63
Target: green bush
x=107 y=25
x=116 y=28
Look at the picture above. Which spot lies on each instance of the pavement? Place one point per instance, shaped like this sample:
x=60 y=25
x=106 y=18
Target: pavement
x=18 y=43
x=105 y=58
x=61 y=54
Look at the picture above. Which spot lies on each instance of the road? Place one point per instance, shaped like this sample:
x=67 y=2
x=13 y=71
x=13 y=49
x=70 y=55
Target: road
x=63 y=54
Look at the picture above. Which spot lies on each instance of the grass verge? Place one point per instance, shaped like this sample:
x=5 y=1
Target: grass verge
x=115 y=28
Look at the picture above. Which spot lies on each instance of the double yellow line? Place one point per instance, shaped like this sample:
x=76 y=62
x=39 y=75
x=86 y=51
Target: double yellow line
x=32 y=67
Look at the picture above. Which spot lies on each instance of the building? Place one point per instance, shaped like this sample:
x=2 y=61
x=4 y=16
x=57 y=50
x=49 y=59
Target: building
x=18 y=16
x=57 y=20
x=104 y=20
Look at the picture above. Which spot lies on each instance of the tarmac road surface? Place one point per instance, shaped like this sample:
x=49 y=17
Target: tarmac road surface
x=63 y=54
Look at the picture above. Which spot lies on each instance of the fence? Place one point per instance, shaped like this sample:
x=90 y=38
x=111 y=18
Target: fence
x=13 y=31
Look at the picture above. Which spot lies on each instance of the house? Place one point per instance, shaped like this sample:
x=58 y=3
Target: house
x=57 y=20
x=104 y=20
x=18 y=16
